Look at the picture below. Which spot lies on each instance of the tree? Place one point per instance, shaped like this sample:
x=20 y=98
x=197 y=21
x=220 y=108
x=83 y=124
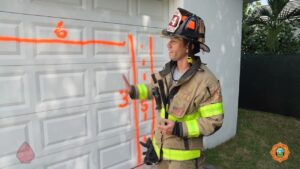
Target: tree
x=288 y=42
x=253 y=36
x=273 y=18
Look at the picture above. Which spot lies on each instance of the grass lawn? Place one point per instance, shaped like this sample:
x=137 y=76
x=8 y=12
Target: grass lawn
x=256 y=133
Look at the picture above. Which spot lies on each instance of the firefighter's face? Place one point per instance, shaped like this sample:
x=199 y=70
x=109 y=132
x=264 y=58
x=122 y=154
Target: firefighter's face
x=176 y=48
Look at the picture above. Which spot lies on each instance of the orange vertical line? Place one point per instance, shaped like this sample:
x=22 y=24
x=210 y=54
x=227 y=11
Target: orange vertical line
x=152 y=71
x=136 y=117
x=151 y=54
x=144 y=76
x=143 y=62
x=145 y=116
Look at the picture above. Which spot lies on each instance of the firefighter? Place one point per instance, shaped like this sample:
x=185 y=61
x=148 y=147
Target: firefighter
x=187 y=95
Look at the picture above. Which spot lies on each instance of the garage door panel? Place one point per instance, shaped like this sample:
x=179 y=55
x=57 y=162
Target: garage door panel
x=56 y=131
x=10 y=51
x=59 y=87
x=62 y=129
x=152 y=9
x=67 y=3
x=11 y=28
x=81 y=162
x=13 y=133
x=143 y=39
x=58 y=51
x=12 y=137
x=15 y=91
x=114 y=34
x=108 y=82
x=135 y=12
x=113 y=121
x=121 y=165
x=116 y=6
x=158 y=48
x=12 y=89
x=115 y=155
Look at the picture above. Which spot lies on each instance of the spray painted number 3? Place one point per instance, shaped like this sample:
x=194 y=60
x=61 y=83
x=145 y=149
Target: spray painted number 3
x=124 y=98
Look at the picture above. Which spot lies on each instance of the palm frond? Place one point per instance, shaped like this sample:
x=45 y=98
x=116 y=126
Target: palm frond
x=256 y=21
x=289 y=14
x=264 y=11
x=277 y=6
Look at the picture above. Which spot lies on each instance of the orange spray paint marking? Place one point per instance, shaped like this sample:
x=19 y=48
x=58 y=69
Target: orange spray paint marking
x=124 y=98
x=135 y=108
x=144 y=108
x=60 y=41
x=60 y=31
x=143 y=62
x=152 y=71
x=144 y=76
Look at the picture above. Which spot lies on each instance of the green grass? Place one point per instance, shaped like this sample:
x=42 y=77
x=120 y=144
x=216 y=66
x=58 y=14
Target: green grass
x=256 y=133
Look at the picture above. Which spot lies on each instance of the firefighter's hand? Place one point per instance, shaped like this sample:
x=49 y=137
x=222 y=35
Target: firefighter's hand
x=127 y=85
x=166 y=126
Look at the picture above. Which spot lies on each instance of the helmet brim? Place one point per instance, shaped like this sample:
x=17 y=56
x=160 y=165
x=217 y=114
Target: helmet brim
x=204 y=47
x=166 y=34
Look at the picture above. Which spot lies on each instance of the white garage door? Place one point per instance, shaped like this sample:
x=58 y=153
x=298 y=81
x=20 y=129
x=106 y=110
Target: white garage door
x=61 y=63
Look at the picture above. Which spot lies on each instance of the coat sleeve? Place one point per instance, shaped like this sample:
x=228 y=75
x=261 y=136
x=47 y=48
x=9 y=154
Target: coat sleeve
x=143 y=91
x=210 y=109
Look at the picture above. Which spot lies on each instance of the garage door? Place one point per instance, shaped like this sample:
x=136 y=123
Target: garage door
x=61 y=63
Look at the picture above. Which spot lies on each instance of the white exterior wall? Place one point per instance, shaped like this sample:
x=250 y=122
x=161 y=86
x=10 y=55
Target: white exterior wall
x=223 y=35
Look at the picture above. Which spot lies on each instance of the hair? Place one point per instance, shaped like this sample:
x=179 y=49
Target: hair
x=185 y=42
x=196 y=48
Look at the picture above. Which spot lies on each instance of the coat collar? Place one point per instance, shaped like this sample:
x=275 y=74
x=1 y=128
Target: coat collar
x=193 y=69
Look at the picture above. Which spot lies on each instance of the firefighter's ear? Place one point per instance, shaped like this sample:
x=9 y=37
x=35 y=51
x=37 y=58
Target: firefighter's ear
x=187 y=47
x=193 y=46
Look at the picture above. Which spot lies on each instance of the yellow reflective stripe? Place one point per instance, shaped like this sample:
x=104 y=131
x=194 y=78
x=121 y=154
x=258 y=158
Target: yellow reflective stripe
x=178 y=155
x=143 y=91
x=211 y=110
x=183 y=119
x=170 y=117
x=205 y=111
x=193 y=128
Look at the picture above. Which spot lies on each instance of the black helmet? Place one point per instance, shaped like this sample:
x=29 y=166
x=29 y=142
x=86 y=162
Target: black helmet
x=189 y=26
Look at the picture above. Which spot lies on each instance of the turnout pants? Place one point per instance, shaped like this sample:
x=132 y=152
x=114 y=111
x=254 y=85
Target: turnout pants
x=197 y=163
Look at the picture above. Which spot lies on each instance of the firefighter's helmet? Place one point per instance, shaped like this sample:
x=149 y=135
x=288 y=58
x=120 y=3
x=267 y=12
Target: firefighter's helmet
x=189 y=26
